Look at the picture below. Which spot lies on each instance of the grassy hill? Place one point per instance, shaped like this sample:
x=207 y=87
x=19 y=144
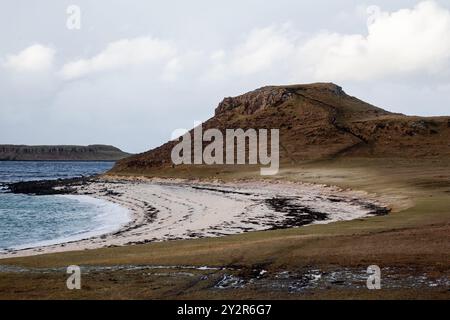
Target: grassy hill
x=317 y=122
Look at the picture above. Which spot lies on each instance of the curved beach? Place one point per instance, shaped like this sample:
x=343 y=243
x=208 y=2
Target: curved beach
x=162 y=210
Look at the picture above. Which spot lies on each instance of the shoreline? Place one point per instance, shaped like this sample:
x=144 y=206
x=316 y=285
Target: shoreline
x=104 y=217
x=178 y=209
x=114 y=222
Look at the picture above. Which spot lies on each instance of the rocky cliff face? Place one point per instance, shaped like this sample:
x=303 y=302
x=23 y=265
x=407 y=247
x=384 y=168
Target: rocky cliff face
x=256 y=100
x=61 y=153
x=316 y=121
x=272 y=96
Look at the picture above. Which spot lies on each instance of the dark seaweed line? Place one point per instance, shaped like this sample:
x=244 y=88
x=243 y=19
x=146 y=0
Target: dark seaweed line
x=221 y=190
x=296 y=215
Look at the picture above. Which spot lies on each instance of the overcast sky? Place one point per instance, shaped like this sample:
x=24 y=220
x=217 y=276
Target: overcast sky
x=137 y=70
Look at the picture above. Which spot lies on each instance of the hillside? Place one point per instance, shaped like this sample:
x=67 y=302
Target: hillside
x=61 y=153
x=316 y=121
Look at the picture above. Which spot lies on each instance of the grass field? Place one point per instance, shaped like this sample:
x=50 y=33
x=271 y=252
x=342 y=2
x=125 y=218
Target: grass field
x=414 y=239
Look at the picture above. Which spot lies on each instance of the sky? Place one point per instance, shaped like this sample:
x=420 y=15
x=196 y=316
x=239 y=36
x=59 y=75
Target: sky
x=130 y=72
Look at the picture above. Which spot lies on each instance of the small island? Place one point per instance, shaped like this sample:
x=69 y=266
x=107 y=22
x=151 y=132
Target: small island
x=60 y=153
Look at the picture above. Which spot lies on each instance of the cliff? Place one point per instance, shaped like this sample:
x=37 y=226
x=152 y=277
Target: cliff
x=61 y=153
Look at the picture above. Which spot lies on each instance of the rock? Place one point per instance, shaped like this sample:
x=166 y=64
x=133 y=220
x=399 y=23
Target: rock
x=47 y=187
x=256 y=100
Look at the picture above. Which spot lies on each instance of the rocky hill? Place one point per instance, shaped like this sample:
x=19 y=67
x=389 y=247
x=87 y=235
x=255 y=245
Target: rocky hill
x=61 y=153
x=316 y=121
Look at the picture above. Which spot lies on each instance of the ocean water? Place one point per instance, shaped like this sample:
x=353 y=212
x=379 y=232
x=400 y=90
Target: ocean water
x=30 y=221
x=14 y=171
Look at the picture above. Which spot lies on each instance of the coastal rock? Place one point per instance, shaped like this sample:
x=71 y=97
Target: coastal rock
x=47 y=187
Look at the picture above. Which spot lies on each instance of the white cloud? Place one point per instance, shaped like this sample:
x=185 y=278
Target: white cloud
x=35 y=58
x=397 y=44
x=262 y=50
x=130 y=87
x=121 y=54
x=27 y=77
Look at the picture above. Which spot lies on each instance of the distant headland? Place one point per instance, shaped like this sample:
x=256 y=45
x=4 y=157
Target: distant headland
x=60 y=153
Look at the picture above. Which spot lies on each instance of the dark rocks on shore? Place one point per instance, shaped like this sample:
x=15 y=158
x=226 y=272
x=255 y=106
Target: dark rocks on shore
x=299 y=215
x=47 y=187
x=296 y=215
x=376 y=210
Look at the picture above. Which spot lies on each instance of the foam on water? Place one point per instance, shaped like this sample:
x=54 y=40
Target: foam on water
x=106 y=217
x=30 y=221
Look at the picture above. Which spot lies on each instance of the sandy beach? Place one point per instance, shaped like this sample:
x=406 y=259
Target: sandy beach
x=175 y=209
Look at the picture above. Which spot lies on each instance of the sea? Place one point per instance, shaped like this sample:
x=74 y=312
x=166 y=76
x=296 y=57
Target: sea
x=28 y=221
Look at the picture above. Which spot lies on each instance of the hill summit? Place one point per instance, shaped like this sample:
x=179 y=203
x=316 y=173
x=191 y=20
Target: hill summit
x=316 y=121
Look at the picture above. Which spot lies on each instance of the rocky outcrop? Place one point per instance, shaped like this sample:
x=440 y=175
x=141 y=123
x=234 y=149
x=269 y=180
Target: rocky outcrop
x=256 y=100
x=61 y=153
x=48 y=187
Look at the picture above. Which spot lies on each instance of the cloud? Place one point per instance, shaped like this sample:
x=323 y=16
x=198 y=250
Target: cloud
x=400 y=43
x=27 y=78
x=263 y=49
x=35 y=58
x=132 y=85
x=397 y=44
x=121 y=54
